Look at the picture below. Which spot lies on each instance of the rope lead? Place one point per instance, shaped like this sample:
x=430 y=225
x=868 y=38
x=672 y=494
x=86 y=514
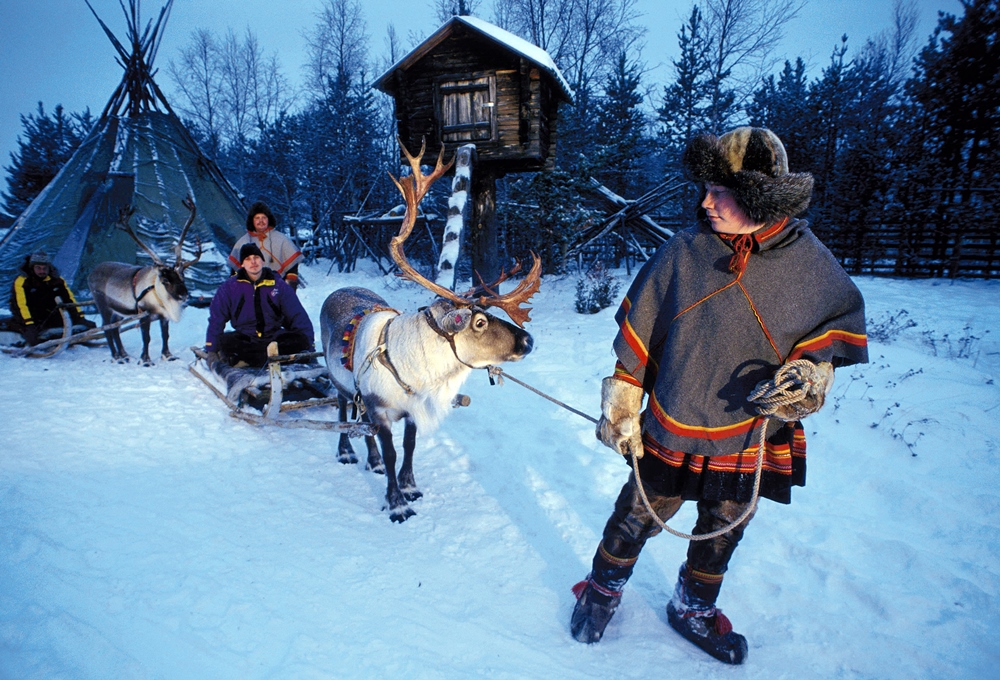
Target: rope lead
x=786 y=387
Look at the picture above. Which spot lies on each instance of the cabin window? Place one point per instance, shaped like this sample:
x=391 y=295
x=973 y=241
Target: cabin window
x=467 y=109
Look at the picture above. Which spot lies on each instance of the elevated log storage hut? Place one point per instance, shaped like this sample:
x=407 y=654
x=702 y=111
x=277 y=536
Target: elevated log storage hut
x=473 y=83
x=137 y=154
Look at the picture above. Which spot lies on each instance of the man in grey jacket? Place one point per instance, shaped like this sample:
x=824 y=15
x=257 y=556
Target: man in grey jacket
x=719 y=308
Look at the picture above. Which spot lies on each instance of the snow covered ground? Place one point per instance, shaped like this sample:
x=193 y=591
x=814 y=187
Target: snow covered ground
x=146 y=534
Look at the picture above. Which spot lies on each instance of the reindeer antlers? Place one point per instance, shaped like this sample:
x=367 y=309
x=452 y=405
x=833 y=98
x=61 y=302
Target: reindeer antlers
x=179 y=248
x=125 y=214
x=511 y=302
x=414 y=187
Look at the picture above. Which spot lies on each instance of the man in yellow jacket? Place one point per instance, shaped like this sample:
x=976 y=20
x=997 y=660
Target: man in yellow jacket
x=33 y=299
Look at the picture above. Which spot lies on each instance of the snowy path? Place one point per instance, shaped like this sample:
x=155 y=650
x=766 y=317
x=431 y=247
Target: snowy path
x=145 y=534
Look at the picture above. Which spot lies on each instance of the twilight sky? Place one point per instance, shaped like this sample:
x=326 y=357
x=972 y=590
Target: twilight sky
x=54 y=51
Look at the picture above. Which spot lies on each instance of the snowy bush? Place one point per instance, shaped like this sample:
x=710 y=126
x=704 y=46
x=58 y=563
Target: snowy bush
x=596 y=290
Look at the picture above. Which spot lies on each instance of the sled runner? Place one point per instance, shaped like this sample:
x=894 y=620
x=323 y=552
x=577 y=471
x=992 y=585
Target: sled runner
x=279 y=392
x=56 y=340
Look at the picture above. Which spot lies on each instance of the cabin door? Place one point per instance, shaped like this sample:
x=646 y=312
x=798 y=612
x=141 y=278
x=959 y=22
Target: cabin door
x=467 y=109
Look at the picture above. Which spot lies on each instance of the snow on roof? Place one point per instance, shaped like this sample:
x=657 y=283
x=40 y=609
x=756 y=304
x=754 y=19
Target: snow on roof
x=531 y=52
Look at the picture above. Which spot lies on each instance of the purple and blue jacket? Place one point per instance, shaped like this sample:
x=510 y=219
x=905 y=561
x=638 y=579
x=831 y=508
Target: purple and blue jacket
x=259 y=310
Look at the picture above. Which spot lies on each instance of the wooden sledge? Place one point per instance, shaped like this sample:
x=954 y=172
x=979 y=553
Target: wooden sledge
x=272 y=394
x=53 y=346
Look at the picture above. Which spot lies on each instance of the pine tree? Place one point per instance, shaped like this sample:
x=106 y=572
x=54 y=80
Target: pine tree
x=47 y=143
x=783 y=108
x=829 y=101
x=578 y=132
x=684 y=111
x=274 y=167
x=953 y=153
x=621 y=125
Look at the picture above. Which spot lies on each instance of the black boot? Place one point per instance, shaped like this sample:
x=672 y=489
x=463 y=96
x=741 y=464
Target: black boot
x=598 y=596
x=594 y=608
x=693 y=614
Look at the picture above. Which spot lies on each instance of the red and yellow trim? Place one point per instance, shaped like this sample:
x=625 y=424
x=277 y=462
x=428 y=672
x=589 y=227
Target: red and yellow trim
x=621 y=373
x=777 y=457
x=825 y=340
x=704 y=576
x=695 y=432
x=287 y=262
x=633 y=341
x=770 y=232
x=616 y=561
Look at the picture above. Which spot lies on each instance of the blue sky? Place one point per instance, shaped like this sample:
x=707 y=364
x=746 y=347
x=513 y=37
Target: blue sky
x=55 y=52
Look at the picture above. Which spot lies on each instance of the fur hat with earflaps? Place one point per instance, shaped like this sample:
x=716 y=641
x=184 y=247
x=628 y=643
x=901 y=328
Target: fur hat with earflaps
x=260 y=208
x=753 y=164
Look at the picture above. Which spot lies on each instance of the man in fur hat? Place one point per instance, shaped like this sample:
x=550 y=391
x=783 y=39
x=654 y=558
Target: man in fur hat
x=281 y=255
x=719 y=308
x=33 y=299
x=262 y=308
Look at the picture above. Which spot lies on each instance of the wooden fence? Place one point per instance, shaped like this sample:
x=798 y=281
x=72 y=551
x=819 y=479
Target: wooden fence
x=917 y=251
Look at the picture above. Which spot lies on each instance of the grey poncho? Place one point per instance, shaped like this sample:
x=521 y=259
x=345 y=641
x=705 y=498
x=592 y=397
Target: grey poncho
x=698 y=337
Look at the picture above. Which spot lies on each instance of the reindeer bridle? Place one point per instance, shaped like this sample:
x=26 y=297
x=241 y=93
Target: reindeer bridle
x=414 y=187
x=450 y=337
x=145 y=291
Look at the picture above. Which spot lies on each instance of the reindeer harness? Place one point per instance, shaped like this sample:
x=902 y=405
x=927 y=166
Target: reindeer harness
x=381 y=350
x=145 y=291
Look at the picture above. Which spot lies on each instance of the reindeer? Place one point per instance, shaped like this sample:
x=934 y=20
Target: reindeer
x=124 y=289
x=410 y=366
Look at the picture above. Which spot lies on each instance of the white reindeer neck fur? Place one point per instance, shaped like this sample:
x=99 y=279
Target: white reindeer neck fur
x=423 y=360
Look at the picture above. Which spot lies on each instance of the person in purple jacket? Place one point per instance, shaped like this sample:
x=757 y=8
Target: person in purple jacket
x=262 y=308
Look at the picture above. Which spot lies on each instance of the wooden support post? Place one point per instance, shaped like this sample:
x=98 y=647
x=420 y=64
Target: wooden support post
x=274 y=368
x=483 y=241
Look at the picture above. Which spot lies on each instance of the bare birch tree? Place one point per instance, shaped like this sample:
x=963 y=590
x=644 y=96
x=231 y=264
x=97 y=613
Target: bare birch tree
x=228 y=87
x=583 y=37
x=338 y=43
x=446 y=9
x=742 y=35
x=197 y=76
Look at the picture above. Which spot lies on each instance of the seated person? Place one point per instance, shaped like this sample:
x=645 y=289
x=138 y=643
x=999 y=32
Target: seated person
x=281 y=255
x=33 y=299
x=262 y=308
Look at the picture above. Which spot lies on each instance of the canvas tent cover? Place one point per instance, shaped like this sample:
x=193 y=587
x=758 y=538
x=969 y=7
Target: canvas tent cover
x=146 y=162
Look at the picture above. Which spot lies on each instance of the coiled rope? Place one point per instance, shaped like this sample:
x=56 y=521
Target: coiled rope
x=791 y=382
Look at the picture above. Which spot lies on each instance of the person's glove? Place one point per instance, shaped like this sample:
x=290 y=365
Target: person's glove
x=211 y=358
x=30 y=334
x=619 y=427
x=797 y=390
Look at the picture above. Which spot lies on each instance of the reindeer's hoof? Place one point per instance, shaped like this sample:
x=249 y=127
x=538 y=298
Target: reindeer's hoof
x=377 y=468
x=412 y=494
x=146 y=363
x=169 y=357
x=347 y=458
x=401 y=514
